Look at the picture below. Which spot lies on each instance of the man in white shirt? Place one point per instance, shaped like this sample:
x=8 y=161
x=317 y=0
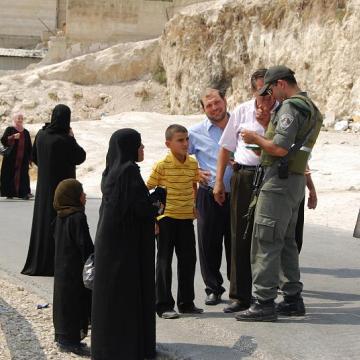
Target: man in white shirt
x=253 y=115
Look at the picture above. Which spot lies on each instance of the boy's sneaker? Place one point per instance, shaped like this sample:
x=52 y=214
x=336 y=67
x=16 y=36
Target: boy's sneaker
x=291 y=306
x=169 y=314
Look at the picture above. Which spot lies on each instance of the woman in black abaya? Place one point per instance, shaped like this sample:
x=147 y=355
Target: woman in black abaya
x=56 y=154
x=123 y=312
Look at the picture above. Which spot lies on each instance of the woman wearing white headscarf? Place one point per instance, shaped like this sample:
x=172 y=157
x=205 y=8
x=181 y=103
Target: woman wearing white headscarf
x=15 y=181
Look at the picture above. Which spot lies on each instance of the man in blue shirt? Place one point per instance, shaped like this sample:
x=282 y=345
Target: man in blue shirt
x=213 y=220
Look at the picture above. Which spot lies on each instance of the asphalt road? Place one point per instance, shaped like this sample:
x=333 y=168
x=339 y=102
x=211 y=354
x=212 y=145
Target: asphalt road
x=330 y=264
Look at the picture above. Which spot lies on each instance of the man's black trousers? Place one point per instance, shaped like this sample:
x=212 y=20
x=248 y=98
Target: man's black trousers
x=240 y=277
x=213 y=226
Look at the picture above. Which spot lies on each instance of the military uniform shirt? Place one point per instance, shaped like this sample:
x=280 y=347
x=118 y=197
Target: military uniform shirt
x=288 y=122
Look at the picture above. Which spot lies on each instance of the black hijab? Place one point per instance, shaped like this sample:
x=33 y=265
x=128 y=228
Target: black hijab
x=60 y=119
x=122 y=154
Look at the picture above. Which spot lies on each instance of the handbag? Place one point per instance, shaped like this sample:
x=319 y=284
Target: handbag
x=357 y=227
x=89 y=272
x=5 y=151
x=158 y=199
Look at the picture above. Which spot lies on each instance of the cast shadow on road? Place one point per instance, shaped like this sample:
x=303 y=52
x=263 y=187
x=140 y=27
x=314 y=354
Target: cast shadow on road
x=212 y=312
x=243 y=348
x=19 y=334
x=209 y=314
x=342 y=273
x=343 y=309
x=335 y=296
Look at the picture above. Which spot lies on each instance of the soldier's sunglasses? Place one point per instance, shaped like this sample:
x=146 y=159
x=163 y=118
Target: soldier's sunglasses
x=269 y=91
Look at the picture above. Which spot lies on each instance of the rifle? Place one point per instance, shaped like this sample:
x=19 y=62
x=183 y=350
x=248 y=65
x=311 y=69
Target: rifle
x=256 y=185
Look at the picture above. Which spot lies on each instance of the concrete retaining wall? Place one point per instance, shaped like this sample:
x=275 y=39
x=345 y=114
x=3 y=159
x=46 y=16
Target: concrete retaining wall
x=20 y=20
x=61 y=13
x=85 y=21
x=18 y=42
x=16 y=63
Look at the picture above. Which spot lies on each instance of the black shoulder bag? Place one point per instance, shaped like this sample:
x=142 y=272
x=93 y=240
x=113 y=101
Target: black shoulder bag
x=5 y=151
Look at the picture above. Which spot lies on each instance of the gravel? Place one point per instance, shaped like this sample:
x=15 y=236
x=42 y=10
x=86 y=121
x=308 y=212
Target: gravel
x=27 y=333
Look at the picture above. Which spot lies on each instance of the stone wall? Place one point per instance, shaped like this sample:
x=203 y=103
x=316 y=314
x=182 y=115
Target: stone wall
x=120 y=20
x=19 y=21
x=225 y=41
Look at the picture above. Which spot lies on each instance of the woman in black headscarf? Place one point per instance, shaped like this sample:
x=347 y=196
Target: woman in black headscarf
x=73 y=245
x=56 y=154
x=123 y=312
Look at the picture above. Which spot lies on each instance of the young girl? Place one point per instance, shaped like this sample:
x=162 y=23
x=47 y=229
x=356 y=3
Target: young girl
x=73 y=245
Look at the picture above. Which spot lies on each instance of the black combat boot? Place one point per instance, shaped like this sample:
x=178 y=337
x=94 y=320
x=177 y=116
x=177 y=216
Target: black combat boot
x=291 y=306
x=259 y=311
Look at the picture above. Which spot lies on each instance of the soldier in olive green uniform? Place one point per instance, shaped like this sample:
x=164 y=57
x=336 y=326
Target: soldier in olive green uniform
x=287 y=144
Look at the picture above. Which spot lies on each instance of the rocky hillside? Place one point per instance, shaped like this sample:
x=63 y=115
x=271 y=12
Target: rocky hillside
x=110 y=81
x=221 y=42
x=224 y=41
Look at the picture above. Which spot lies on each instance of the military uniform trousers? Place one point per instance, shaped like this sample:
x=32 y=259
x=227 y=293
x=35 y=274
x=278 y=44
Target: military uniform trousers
x=274 y=253
x=179 y=235
x=240 y=276
x=213 y=227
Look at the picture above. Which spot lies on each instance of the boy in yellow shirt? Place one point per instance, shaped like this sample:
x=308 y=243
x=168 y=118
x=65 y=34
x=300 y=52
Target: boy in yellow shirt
x=178 y=173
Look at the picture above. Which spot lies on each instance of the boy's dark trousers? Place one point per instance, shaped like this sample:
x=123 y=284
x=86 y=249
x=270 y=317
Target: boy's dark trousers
x=213 y=226
x=179 y=235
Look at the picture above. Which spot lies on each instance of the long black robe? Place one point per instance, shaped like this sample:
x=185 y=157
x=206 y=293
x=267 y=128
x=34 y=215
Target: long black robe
x=56 y=154
x=123 y=312
x=72 y=301
x=8 y=166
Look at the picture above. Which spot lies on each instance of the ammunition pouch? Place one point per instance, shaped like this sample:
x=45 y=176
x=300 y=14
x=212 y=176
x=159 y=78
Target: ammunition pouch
x=283 y=168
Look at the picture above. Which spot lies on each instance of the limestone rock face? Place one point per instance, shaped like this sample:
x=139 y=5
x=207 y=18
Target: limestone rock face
x=92 y=85
x=225 y=41
x=122 y=62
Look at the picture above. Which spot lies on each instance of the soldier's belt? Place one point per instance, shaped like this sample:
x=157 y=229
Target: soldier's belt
x=237 y=167
x=306 y=149
x=269 y=171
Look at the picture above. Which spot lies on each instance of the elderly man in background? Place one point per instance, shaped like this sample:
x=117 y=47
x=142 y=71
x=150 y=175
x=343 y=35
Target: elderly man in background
x=253 y=115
